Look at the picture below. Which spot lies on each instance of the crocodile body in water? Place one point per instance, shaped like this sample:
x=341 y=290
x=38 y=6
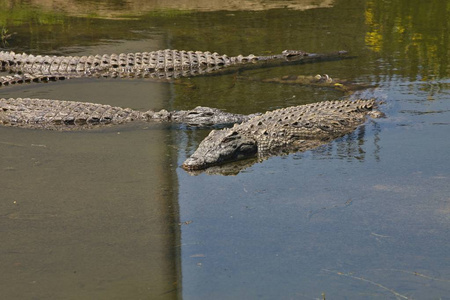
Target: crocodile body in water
x=164 y=64
x=292 y=129
x=72 y=115
x=321 y=81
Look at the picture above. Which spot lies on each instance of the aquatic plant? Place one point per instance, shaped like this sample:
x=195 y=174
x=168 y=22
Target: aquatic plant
x=4 y=36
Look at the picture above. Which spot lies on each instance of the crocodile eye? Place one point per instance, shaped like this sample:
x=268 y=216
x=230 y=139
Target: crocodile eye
x=231 y=137
x=343 y=122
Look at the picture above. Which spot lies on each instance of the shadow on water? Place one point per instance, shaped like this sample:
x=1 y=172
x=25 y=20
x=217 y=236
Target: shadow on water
x=78 y=210
x=108 y=214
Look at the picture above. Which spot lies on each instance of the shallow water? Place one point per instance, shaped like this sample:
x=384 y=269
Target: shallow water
x=109 y=214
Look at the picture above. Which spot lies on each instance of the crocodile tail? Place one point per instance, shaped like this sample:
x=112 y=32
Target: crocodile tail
x=29 y=78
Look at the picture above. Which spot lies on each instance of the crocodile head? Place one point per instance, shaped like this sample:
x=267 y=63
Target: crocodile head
x=293 y=55
x=219 y=147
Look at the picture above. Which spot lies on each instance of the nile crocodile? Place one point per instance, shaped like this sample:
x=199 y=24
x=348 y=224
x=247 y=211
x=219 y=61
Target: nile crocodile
x=165 y=64
x=72 y=115
x=292 y=129
x=325 y=81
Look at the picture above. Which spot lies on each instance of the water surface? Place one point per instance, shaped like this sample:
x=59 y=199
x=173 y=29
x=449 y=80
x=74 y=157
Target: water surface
x=108 y=214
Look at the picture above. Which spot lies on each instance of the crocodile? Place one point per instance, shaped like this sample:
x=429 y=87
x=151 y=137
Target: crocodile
x=161 y=64
x=73 y=115
x=325 y=81
x=291 y=129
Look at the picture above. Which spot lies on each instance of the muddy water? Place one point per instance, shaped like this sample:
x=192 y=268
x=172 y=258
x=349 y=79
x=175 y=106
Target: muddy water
x=108 y=214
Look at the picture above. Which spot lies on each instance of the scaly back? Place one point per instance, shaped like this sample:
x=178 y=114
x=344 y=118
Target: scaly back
x=318 y=121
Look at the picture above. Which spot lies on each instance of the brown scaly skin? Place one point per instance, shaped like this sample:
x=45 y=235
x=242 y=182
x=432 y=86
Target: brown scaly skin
x=292 y=129
x=156 y=64
x=71 y=115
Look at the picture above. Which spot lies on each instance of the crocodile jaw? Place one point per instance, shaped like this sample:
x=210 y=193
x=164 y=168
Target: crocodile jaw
x=219 y=147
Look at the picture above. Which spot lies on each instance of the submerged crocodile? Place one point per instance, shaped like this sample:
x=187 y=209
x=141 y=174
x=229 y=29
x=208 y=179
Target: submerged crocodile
x=165 y=64
x=292 y=129
x=325 y=81
x=72 y=115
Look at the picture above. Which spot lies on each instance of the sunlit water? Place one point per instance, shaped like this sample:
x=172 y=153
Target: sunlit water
x=108 y=214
